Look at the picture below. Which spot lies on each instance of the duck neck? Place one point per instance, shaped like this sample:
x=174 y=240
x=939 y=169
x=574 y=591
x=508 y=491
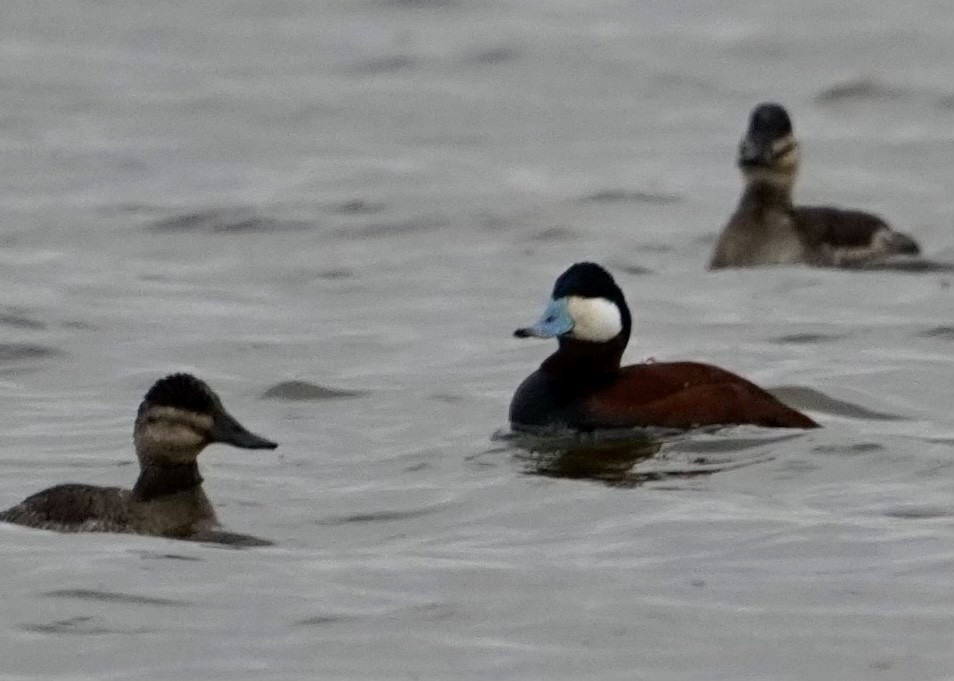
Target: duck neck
x=582 y=363
x=767 y=193
x=165 y=479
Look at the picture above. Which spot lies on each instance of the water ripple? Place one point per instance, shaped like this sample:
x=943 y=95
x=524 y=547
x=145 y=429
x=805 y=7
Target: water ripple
x=227 y=221
x=111 y=597
x=302 y=391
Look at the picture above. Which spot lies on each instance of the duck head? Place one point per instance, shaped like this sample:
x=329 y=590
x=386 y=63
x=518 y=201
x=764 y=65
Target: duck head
x=769 y=151
x=179 y=416
x=586 y=307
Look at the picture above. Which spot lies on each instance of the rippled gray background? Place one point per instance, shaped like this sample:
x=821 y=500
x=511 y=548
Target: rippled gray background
x=371 y=195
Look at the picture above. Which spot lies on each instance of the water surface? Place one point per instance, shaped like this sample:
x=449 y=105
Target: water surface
x=337 y=212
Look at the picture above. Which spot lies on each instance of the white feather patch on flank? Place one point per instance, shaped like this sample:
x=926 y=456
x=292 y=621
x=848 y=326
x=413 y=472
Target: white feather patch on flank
x=596 y=320
x=878 y=249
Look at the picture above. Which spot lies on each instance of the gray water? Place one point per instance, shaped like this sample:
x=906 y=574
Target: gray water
x=370 y=195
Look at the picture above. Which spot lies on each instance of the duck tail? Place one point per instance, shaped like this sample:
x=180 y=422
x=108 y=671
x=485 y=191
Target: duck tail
x=903 y=244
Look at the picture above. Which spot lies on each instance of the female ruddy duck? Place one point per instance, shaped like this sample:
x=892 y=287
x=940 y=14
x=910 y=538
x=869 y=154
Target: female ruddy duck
x=766 y=229
x=582 y=386
x=178 y=417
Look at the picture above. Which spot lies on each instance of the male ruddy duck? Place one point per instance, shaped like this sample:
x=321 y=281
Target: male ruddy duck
x=178 y=417
x=582 y=386
x=766 y=229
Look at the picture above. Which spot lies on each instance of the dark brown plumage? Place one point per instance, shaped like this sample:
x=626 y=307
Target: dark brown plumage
x=75 y=508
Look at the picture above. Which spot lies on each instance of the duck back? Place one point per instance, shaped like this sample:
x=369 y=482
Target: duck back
x=850 y=237
x=665 y=395
x=73 y=508
x=688 y=395
x=90 y=508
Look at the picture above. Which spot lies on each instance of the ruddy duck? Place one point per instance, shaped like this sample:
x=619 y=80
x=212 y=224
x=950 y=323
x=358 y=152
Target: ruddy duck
x=582 y=386
x=766 y=229
x=178 y=417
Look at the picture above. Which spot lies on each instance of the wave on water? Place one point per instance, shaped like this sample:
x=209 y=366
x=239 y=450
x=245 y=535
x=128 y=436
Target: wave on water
x=227 y=221
x=939 y=332
x=861 y=90
x=22 y=352
x=869 y=90
x=810 y=399
x=305 y=391
x=805 y=338
x=632 y=196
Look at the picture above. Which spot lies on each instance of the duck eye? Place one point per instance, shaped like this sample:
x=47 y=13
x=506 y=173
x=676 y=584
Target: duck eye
x=550 y=319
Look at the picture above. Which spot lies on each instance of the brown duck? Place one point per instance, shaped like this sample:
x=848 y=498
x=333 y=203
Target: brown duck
x=767 y=229
x=178 y=417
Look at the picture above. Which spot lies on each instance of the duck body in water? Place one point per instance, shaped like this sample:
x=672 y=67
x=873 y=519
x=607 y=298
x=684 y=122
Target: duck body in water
x=767 y=229
x=583 y=387
x=178 y=417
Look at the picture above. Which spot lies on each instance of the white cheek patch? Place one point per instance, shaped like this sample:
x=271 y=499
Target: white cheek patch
x=596 y=320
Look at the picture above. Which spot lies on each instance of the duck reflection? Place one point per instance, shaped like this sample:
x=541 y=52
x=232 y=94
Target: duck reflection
x=631 y=458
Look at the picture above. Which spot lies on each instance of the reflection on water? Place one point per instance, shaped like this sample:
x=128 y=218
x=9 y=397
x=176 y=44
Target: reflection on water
x=230 y=539
x=611 y=460
x=915 y=265
x=628 y=458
